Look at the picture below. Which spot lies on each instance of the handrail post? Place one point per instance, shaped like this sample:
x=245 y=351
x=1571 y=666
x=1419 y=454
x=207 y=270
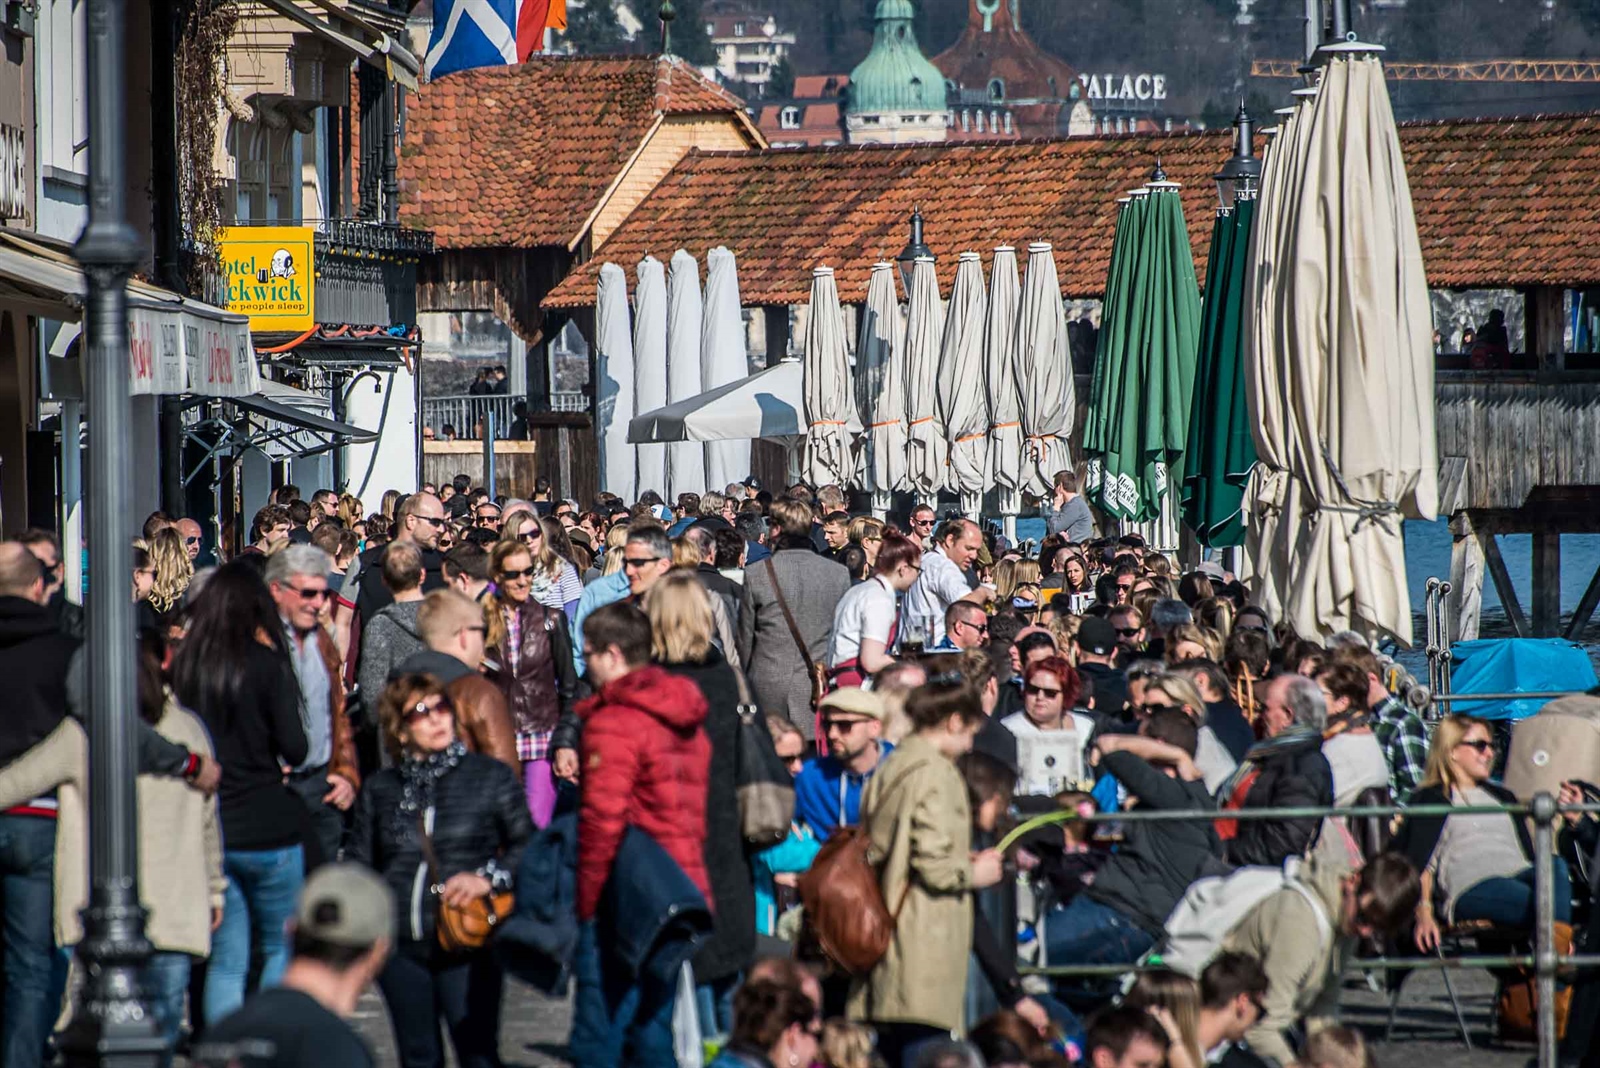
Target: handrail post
x=1544 y=949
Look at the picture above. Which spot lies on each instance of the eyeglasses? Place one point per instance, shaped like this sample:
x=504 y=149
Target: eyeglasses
x=797 y=758
x=1031 y=690
x=437 y=521
x=308 y=594
x=512 y=576
x=1128 y=632
x=531 y=536
x=195 y=540
x=1482 y=745
x=1125 y=587
x=843 y=726
x=427 y=708
x=639 y=561
x=488 y=515
x=1155 y=707
x=922 y=522
x=981 y=628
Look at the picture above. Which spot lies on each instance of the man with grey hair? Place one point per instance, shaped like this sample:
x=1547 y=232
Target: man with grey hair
x=943 y=581
x=1284 y=769
x=297 y=578
x=1166 y=615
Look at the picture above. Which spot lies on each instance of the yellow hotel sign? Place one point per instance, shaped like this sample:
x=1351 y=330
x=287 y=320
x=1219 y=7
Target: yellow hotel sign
x=270 y=275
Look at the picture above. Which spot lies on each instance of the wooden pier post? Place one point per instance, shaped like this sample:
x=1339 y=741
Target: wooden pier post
x=1546 y=584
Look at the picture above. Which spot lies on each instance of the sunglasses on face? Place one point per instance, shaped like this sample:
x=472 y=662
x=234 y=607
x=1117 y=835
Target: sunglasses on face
x=437 y=521
x=843 y=726
x=307 y=594
x=638 y=561
x=1039 y=691
x=488 y=515
x=531 y=535
x=1156 y=707
x=428 y=708
x=1128 y=632
x=922 y=522
x=981 y=628
x=1482 y=745
x=512 y=576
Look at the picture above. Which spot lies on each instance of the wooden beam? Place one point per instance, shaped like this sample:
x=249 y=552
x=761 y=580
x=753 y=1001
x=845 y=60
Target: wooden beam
x=1546 y=585
x=1544 y=322
x=1464 y=606
x=1586 y=606
x=1502 y=583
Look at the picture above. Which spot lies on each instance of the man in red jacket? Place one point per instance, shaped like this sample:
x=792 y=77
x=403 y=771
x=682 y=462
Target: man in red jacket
x=645 y=761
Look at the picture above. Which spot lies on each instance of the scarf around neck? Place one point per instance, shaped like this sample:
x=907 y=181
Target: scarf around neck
x=420 y=775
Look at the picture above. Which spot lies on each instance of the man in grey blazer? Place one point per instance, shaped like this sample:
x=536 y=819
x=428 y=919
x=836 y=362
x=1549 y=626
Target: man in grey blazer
x=812 y=586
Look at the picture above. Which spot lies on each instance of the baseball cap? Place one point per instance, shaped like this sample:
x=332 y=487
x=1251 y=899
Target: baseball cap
x=345 y=905
x=661 y=512
x=1097 y=636
x=752 y=483
x=854 y=702
x=1212 y=570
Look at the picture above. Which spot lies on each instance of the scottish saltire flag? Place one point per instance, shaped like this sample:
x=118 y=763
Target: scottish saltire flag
x=488 y=33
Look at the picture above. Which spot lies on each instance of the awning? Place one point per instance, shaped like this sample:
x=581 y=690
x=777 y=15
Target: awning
x=280 y=421
x=768 y=405
x=176 y=345
x=375 y=46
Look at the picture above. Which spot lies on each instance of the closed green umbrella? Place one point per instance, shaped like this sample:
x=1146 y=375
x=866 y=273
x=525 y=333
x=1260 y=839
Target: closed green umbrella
x=1142 y=398
x=1221 y=449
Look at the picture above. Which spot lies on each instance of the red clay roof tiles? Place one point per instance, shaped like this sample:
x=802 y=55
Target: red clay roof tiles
x=519 y=156
x=1504 y=202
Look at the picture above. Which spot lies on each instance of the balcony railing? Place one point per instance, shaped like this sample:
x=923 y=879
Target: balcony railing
x=463 y=413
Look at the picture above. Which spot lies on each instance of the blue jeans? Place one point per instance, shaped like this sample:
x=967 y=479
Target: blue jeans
x=27 y=866
x=1509 y=902
x=714 y=1002
x=616 y=1021
x=166 y=982
x=262 y=887
x=1088 y=932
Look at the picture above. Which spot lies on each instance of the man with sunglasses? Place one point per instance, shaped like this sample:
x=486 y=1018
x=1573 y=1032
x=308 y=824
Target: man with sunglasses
x=487 y=515
x=827 y=792
x=1233 y=991
x=966 y=626
x=420 y=520
x=327 y=780
x=920 y=525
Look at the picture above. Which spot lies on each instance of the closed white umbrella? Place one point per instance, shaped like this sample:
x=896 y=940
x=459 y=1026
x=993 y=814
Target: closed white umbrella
x=961 y=369
x=614 y=391
x=650 y=364
x=827 y=386
x=723 y=360
x=926 y=444
x=1005 y=403
x=881 y=390
x=1366 y=449
x=686 y=461
x=1044 y=373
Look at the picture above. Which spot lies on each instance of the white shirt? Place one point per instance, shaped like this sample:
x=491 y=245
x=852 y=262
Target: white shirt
x=1216 y=764
x=1358 y=764
x=866 y=610
x=1033 y=782
x=940 y=584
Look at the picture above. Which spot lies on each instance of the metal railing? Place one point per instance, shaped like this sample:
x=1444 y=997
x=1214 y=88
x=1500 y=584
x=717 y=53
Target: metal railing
x=1543 y=810
x=463 y=413
x=366 y=272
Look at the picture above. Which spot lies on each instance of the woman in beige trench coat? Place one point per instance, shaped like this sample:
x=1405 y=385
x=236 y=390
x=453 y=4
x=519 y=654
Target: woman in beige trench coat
x=915 y=810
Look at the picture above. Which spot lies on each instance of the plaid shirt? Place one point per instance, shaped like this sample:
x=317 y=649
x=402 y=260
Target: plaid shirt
x=1404 y=739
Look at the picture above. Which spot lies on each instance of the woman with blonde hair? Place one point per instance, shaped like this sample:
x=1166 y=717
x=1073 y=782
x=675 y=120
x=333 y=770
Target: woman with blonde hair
x=173 y=569
x=349 y=510
x=681 y=632
x=1211 y=757
x=616 y=538
x=867 y=532
x=555 y=581
x=391 y=501
x=1189 y=641
x=1480 y=865
x=1216 y=613
x=1017 y=586
x=533 y=646
x=1174 y=1000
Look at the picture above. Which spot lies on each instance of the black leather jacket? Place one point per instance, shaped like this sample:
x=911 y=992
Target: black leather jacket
x=480 y=824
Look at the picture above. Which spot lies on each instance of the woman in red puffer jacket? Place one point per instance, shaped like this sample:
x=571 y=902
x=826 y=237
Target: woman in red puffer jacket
x=644 y=758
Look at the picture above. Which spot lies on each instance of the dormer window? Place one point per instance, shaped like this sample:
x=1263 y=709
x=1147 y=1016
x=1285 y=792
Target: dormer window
x=789 y=118
x=738 y=29
x=997 y=89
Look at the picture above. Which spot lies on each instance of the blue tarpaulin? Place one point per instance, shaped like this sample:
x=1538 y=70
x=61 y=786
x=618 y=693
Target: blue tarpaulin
x=1516 y=665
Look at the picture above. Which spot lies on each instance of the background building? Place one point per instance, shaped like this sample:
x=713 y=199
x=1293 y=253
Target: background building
x=895 y=96
x=750 y=47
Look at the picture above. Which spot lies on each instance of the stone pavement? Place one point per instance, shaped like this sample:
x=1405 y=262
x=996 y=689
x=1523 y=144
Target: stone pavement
x=534 y=1028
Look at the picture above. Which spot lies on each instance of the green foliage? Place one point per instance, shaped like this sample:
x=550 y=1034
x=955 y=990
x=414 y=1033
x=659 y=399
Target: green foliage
x=782 y=83
x=689 y=40
x=593 y=28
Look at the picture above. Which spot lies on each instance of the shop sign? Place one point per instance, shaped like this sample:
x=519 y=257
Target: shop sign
x=270 y=275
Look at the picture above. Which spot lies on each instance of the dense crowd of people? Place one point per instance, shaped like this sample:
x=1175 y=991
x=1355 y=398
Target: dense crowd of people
x=628 y=750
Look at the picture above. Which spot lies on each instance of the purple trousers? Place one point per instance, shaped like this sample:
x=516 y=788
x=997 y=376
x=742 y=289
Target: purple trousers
x=539 y=780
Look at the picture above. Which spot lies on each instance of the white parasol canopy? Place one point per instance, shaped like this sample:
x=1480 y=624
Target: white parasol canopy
x=614 y=391
x=686 y=462
x=999 y=360
x=880 y=390
x=769 y=405
x=926 y=444
x=1353 y=337
x=961 y=369
x=1044 y=373
x=650 y=364
x=827 y=380
x=723 y=360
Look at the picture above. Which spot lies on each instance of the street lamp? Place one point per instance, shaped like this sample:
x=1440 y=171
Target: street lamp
x=1240 y=177
x=112 y=1023
x=914 y=250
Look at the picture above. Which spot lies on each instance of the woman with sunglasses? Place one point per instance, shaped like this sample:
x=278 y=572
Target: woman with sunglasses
x=442 y=824
x=533 y=646
x=1478 y=867
x=1050 y=690
x=555 y=580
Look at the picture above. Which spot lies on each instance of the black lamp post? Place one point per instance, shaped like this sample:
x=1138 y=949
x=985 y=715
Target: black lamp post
x=914 y=250
x=1241 y=175
x=112 y=1023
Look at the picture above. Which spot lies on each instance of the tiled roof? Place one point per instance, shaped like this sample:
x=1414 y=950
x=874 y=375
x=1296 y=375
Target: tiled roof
x=519 y=156
x=1503 y=202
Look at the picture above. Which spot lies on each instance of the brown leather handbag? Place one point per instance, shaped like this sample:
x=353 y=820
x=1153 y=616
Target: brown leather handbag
x=463 y=928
